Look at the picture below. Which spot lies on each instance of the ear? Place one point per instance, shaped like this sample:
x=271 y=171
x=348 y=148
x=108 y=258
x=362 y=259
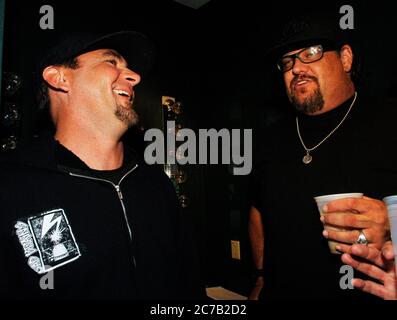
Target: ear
x=56 y=78
x=346 y=55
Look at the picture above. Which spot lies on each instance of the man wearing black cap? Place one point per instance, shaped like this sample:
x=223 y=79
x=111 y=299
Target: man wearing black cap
x=82 y=215
x=335 y=142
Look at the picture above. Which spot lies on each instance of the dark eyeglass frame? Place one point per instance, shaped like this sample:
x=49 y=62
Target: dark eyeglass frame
x=297 y=55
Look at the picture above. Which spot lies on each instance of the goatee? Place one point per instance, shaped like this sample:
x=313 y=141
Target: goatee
x=127 y=115
x=311 y=104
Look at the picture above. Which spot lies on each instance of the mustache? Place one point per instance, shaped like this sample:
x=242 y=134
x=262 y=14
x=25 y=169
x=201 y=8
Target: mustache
x=296 y=79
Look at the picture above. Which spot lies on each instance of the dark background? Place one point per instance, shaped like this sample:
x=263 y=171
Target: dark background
x=212 y=59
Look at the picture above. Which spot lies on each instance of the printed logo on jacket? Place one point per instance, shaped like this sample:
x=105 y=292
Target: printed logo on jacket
x=47 y=240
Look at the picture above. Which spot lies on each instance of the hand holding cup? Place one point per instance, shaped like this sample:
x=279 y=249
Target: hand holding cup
x=360 y=217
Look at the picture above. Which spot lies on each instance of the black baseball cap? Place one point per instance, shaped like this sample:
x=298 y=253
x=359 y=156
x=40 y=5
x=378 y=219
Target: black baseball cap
x=307 y=30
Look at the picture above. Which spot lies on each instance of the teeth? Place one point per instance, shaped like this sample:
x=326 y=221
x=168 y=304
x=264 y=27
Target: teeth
x=121 y=92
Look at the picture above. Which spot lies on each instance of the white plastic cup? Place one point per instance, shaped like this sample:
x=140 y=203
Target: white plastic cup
x=391 y=203
x=323 y=200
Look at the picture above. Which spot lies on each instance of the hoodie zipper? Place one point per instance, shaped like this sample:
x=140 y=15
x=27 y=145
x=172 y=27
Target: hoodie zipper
x=119 y=194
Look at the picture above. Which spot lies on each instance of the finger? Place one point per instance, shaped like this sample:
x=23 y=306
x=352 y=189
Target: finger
x=364 y=267
x=356 y=204
x=351 y=220
x=345 y=236
x=368 y=253
x=343 y=248
x=361 y=251
x=388 y=250
x=370 y=287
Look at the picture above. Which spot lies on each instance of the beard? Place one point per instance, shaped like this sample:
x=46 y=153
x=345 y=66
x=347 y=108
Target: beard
x=310 y=104
x=127 y=115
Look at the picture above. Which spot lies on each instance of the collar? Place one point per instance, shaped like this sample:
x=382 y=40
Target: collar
x=47 y=153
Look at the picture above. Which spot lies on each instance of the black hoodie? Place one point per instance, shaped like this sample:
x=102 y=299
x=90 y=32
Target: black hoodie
x=97 y=239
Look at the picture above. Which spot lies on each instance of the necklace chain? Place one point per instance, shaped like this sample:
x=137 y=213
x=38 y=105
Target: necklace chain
x=307 y=158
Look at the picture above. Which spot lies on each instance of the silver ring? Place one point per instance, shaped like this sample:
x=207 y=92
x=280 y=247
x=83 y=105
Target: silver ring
x=362 y=239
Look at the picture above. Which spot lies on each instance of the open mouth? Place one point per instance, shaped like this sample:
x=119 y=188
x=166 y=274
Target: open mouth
x=301 y=83
x=123 y=93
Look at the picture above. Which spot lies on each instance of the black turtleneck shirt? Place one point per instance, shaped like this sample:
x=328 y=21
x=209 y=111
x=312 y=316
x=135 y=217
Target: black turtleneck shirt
x=360 y=156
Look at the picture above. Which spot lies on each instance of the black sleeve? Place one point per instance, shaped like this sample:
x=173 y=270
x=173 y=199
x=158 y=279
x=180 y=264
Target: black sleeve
x=190 y=284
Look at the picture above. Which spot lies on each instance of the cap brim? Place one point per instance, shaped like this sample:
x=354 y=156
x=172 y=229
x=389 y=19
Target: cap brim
x=278 y=51
x=136 y=49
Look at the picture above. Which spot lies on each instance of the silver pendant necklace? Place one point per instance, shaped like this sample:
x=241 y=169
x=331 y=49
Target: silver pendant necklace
x=307 y=158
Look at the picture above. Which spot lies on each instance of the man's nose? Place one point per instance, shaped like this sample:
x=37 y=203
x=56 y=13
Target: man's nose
x=132 y=77
x=299 y=67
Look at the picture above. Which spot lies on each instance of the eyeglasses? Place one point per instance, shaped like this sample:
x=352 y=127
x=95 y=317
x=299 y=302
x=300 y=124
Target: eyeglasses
x=306 y=55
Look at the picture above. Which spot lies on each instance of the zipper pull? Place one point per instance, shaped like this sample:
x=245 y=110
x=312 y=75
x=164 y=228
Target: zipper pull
x=119 y=192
